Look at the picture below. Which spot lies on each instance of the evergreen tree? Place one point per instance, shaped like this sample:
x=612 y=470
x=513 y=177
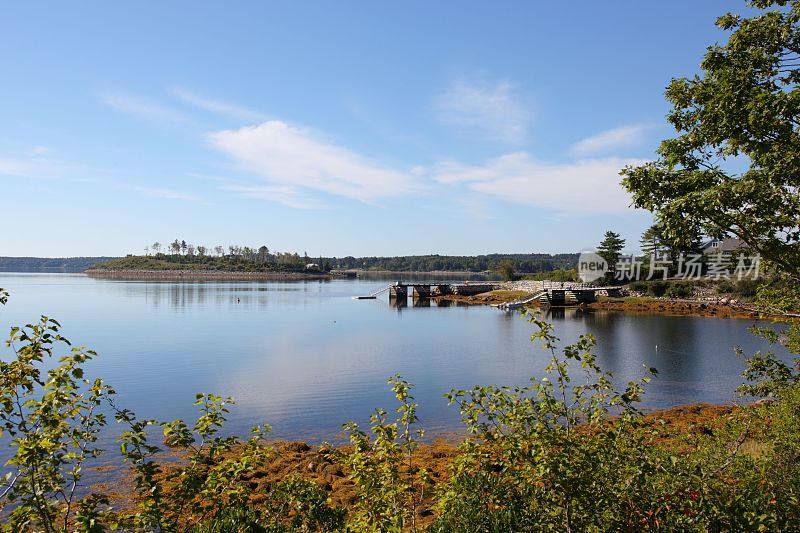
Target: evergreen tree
x=610 y=249
x=651 y=243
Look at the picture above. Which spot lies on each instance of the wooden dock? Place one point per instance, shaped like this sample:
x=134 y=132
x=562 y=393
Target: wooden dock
x=430 y=290
x=549 y=294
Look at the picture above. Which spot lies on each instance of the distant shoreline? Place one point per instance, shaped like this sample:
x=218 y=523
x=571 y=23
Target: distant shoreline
x=202 y=275
x=199 y=275
x=414 y=273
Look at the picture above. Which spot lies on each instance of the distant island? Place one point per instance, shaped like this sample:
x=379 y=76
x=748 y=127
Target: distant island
x=239 y=264
x=182 y=260
x=292 y=266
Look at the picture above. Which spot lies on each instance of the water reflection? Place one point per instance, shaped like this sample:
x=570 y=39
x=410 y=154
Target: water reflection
x=398 y=303
x=307 y=357
x=181 y=295
x=422 y=302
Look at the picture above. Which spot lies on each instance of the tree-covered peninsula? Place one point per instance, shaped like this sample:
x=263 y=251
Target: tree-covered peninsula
x=180 y=255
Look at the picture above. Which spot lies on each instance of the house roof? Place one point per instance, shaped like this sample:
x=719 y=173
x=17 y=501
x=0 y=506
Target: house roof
x=724 y=245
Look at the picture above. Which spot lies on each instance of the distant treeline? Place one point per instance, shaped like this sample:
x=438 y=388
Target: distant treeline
x=262 y=258
x=49 y=264
x=523 y=263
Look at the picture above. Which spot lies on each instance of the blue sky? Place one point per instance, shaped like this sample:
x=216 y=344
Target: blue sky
x=358 y=128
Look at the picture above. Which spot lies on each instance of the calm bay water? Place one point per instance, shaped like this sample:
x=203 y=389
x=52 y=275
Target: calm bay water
x=306 y=357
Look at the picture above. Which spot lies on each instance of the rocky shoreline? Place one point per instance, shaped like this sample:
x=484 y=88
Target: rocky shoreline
x=676 y=307
x=315 y=462
x=203 y=275
x=716 y=308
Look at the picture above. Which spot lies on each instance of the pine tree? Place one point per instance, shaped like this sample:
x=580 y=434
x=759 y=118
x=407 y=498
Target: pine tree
x=263 y=252
x=650 y=243
x=610 y=249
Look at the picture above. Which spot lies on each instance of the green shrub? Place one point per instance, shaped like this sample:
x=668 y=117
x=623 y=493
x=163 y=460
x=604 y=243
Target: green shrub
x=506 y=270
x=51 y=420
x=657 y=288
x=294 y=504
x=238 y=519
x=743 y=288
x=388 y=489
x=681 y=289
x=555 y=275
x=544 y=456
x=747 y=288
x=725 y=286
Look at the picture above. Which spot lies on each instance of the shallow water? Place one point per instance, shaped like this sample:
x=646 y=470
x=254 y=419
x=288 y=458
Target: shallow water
x=306 y=357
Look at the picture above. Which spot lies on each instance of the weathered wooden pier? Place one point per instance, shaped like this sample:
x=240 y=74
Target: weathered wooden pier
x=431 y=290
x=543 y=293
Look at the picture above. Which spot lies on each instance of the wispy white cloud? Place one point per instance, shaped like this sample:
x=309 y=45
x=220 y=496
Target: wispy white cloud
x=287 y=155
x=490 y=109
x=288 y=196
x=281 y=194
x=38 y=150
x=143 y=107
x=609 y=140
x=588 y=186
x=36 y=166
x=219 y=107
x=22 y=168
x=166 y=194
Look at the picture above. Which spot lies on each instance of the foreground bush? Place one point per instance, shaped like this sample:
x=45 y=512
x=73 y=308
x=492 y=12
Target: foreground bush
x=569 y=452
x=550 y=457
x=671 y=289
